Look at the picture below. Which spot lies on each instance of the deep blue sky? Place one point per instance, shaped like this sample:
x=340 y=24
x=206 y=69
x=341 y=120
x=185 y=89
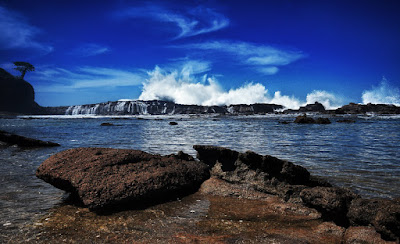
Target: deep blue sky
x=96 y=51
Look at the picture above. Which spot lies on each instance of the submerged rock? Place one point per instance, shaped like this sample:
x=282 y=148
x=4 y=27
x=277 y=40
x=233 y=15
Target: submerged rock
x=303 y=119
x=346 y=121
x=323 y=121
x=21 y=141
x=106 y=124
x=103 y=177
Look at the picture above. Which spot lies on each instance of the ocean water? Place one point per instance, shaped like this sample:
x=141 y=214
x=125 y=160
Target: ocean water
x=364 y=156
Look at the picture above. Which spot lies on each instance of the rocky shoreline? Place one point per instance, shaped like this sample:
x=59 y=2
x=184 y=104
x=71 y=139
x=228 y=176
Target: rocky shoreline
x=158 y=107
x=240 y=197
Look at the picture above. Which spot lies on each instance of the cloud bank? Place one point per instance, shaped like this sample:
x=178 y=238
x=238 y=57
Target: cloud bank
x=55 y=79
x=16 y=32
x=191 y=22
x=179 y=87
x=261 y=58
x=382 y=94
x=90 y=49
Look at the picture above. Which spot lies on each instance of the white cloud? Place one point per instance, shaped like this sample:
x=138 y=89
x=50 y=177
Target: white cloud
x=262 y=58
x=90 y=49
x=188 y=67
x=190 y=23
x=54 y=79
x=268 y=70
x=385 y=93
x=17 y=33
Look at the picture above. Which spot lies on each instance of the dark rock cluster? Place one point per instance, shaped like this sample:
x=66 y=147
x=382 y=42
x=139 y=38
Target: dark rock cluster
x=304 y=119
x=294 y=183
x=353 y=108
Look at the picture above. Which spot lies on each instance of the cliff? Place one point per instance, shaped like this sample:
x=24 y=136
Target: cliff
x=16 y=95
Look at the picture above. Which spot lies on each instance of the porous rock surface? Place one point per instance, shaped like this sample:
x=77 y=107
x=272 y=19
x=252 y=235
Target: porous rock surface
x=105 y=177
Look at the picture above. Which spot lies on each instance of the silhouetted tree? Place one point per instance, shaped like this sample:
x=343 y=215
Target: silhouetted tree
x=23 y=67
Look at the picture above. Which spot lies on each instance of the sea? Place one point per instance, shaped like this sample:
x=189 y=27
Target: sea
x=364 y=156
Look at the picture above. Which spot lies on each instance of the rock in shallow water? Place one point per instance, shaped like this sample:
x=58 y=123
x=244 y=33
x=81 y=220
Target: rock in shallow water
x=303 y=119
x=105 y=177
x=21 y=141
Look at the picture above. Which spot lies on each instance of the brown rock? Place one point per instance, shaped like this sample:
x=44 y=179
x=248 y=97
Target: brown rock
x=363 y=235
x=332 y=202
x=383 y=214
x=104 y=177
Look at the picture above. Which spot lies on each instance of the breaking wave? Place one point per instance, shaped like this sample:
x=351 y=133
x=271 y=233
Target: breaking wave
x=382 y=94
x=179 y=87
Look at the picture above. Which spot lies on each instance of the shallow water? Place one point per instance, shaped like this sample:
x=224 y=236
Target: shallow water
x=364 y=155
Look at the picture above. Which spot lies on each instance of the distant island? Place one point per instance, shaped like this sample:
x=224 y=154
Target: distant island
x=18 y=96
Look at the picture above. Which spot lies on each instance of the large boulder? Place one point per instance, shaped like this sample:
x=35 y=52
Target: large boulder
x=22 y=141
x=264 y=173
x=332 y=202
x=103 y=177
x=16 y=95
x=383 y=214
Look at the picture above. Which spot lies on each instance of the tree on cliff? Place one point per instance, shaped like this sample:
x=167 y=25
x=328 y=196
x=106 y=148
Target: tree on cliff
x=23 y=67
